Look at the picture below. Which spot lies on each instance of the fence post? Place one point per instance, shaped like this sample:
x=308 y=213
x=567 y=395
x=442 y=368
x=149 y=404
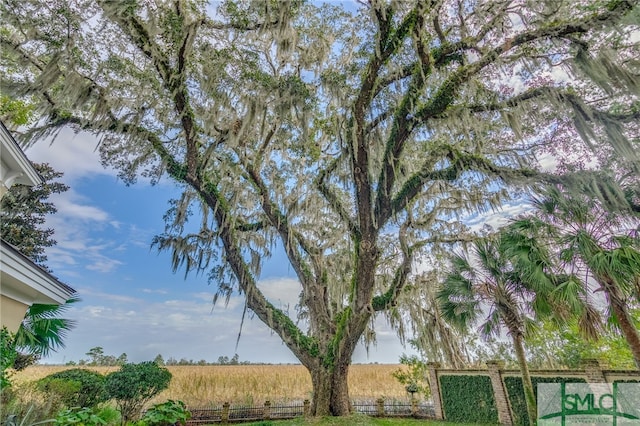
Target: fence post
x=593 y=371
x=380 y=407
x=434 y=386
x=225 y=412
x=266 y=415
x=499 y=392
x=307 y=407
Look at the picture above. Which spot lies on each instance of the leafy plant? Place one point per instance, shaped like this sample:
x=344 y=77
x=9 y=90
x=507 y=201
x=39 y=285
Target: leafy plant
x=43 y=330
x=79 y=416
x=76 y=387
x=134 y=385
x=166 y=414
x=413 y=376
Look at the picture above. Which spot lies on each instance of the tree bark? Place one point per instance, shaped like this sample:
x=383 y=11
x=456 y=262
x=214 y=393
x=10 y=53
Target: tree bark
x=330 y=390
x=527 y=385
x=619 y=309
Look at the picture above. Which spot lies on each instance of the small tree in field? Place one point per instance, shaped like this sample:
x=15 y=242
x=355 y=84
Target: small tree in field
x=134 y=385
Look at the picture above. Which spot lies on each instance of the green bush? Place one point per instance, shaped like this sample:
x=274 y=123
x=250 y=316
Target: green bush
x=513 y=386
x=166 y=414
x=135 y=384
x=468 y=399
x=76 y=387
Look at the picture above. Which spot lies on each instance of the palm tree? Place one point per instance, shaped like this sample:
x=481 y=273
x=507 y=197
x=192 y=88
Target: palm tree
x=600 y=246
x=500 y=284
x=43 y=330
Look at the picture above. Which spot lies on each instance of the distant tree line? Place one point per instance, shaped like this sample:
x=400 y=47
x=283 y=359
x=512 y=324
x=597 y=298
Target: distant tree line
x=97 y=357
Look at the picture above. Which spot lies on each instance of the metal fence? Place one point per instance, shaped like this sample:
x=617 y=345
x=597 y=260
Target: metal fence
x=227 y=413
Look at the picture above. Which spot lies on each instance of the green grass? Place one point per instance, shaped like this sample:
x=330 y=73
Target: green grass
x=354 y=420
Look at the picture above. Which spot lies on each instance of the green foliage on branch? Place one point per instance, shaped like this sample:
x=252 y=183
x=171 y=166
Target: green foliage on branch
x=43 y=330
x=16 y=111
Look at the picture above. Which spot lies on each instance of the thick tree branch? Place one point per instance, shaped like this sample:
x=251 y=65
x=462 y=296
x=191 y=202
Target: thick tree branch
x=174 y=80
x=446 y=93
x=304 y=347
x=460 y=162
x=402 y=125
x=390 y=297
x=570 y=99
x=332 y=199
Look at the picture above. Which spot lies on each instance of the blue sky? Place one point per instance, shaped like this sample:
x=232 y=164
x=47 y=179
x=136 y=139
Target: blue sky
x=132 y=302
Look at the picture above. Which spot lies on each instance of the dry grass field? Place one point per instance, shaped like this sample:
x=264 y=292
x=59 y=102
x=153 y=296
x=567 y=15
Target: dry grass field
x=251 y=384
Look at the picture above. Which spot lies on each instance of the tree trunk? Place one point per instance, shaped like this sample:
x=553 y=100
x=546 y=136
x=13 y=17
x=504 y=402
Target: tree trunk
x=527 y=386
x=330 y=390
x=619 y=309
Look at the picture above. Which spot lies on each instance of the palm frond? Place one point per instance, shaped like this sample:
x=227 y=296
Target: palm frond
x=42 y=329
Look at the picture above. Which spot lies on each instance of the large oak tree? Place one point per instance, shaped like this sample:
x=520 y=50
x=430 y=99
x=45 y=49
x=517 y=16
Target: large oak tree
x=352 y=140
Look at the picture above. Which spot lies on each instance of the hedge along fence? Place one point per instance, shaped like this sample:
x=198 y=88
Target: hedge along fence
x=513 y=387
x=468 y=399
x=455 y=392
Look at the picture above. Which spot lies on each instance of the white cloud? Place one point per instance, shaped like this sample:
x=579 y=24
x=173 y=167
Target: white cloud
x=72 y=205
x=282 y=292
x=104 y=265
x=75 y=154
x=154 y=291
x=499 y=217
x=92 y=294
x=78 y=243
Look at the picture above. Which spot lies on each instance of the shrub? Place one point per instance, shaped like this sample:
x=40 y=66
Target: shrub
x=166 y=414
x=76 y=387
x=135 y=384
